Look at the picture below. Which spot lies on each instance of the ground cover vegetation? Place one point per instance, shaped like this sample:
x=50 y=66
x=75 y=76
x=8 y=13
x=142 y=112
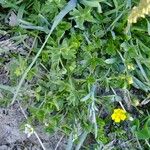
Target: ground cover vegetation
x=84 y=69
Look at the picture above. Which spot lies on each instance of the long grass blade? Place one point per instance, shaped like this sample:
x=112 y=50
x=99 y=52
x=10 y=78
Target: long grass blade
x=70 y=143
x=71 y=5
x=81 y=140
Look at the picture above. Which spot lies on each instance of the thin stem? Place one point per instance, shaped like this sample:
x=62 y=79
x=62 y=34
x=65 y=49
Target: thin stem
x=138 y=142
x=59 y=142
x=39 y=140
x=146 y=141
x=29 y=68
x=122 y=105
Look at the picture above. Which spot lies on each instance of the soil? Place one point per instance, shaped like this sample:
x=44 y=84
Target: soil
x=12 y=138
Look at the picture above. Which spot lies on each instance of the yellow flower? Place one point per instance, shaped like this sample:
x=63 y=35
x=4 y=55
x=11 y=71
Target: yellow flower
x=119 y=115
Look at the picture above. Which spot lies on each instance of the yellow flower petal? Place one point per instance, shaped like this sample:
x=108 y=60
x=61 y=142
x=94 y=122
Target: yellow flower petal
x=116 y=110
x=123 y=117
x=113 y=116
x=117 y=120
x=118 y=115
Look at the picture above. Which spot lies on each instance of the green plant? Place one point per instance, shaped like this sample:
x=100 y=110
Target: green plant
x=83 y=63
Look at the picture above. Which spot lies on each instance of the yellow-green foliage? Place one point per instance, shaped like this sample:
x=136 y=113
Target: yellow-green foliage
x=139 y=11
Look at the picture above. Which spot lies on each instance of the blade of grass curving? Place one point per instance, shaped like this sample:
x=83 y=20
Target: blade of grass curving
x=21 y=12
x=140 y=85
x=147 y=143
x=44 y=20
x=116 y=5
x=70 y=6
x=86 y=97
x=142 y=70
x=148 y=27
x=81 y=140
x=111 y=27
x=113 y=10
x=70 y=142
x=35 y=28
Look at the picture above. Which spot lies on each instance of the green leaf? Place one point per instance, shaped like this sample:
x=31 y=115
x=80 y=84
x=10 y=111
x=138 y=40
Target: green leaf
x=143 y=134
x=135 y=125
x=93 y=3
x=71 y=5
x=81 y=15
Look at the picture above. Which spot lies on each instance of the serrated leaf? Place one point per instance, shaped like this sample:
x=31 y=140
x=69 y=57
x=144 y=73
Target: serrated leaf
x=81 y=15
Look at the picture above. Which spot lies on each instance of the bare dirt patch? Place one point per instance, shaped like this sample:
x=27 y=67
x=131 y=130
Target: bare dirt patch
x=12 y=138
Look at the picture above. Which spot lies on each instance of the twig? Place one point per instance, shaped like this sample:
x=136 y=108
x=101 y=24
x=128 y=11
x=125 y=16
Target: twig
x=35 y=133
x=59 y=142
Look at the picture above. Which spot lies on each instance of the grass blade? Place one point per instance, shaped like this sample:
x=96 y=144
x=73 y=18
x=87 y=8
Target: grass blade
x=81 y=140
x=142 y=70
x=71 y=5
x=70 y=143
